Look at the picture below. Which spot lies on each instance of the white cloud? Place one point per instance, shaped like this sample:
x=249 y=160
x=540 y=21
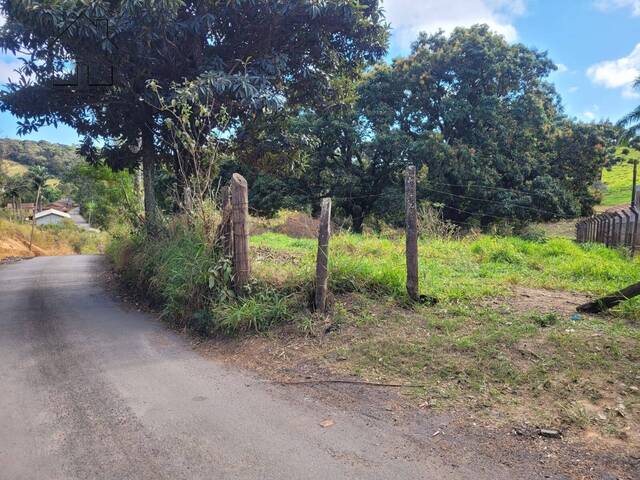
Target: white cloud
x=573 y=89
x=591 y=114
x=562 y=68
x=8 y=66
x=605 y=5
x=620 y=73
x=409 y=17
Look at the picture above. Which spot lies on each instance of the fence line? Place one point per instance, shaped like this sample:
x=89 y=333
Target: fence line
x=614 y=228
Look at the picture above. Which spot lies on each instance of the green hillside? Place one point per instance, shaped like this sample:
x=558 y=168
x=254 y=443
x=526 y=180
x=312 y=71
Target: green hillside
x=619 y=179
x=55 y=157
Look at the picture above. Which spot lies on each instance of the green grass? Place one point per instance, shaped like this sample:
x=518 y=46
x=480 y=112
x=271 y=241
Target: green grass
x=457 y=269
x=619 y=180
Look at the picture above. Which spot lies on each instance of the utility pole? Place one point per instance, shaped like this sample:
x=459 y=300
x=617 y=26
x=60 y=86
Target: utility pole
x=635 y=182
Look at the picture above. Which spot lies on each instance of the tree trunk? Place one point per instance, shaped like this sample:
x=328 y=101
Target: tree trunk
x=149 y=178
x=611 y=301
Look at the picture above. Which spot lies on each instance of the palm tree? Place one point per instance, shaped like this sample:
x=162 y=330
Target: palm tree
x=38 y=177
x=632 y=121
x=14 y=188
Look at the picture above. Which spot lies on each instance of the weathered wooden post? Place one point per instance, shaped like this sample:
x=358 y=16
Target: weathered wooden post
x=322 y=261
x=413 y=286
x=240 y=218
x=626 y=241
x=226 y=226
x=634 y=188
x=634 y=232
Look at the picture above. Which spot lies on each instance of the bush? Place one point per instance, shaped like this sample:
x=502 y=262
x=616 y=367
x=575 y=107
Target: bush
x=534 y=234
x=190 y=280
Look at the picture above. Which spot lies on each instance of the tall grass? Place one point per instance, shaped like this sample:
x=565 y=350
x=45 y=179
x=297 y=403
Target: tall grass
x=457 y=269
x=191 y=281
x=179 y=271
x=64 y=239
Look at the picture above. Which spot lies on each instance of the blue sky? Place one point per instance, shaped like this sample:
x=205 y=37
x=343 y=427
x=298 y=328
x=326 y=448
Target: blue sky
x=595 y=42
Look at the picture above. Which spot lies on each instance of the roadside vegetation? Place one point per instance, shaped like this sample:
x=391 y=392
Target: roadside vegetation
x=66 y=239
x=504 y=335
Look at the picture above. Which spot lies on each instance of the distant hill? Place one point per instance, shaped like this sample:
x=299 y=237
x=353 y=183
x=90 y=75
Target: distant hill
x=619 y=179
x=54 y=156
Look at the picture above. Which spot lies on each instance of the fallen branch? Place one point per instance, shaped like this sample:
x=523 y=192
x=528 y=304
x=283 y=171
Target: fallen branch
x=348 y=382
x=610 y=301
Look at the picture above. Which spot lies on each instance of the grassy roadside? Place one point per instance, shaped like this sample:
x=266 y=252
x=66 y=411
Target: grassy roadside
x=503 y=341
x=52 y=240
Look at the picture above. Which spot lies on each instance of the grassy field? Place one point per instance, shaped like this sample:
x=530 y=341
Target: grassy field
x=619 y=180
x=14 y=168
x=504 y=337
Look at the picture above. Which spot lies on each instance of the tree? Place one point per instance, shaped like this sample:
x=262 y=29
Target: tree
x=252 y=55
x=478 y=118
x=106 y=197
x=15 y=187
x=38 y=177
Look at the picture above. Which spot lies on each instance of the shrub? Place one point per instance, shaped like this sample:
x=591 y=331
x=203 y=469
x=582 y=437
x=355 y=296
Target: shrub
x=191 y=280
x=546 y=320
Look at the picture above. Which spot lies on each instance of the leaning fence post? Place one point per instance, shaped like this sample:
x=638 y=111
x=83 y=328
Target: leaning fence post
x=322 y=261
x=413 y=287
x=240 y=217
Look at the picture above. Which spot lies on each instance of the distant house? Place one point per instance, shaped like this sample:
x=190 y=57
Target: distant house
x=62 y=205
x=51 y=217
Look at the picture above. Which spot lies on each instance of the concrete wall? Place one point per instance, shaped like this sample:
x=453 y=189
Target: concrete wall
x=50 y=220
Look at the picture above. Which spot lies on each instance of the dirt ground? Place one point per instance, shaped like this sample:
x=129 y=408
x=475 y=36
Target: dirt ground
x=17 y=247
x=309 y=364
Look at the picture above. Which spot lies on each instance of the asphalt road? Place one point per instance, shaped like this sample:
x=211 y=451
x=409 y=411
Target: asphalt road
x=91 y=389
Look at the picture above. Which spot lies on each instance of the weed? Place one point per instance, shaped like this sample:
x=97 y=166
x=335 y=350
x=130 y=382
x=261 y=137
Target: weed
x=546 y=320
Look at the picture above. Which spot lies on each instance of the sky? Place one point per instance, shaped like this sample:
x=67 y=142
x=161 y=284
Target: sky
x=595 y=43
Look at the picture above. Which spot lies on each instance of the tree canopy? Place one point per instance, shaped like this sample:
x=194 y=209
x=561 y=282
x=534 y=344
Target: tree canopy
x=479 y=119
x=252 y=55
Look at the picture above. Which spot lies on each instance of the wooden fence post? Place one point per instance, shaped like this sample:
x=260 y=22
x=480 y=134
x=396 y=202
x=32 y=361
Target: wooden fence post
x=226 y=231
x=634 y=232
x=413 y=287
x=322 y=261
x=240 y=217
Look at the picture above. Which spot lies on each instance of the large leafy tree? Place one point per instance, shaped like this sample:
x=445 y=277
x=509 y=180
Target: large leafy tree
x=476 y=115
x=252 y=55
